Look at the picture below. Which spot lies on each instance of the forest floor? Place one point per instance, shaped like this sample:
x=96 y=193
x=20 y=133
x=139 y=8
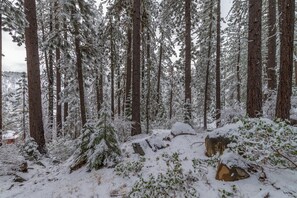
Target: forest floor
x=47 y=178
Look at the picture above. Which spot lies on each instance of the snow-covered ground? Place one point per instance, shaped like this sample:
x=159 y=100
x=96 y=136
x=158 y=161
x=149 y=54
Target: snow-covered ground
x=49 y=179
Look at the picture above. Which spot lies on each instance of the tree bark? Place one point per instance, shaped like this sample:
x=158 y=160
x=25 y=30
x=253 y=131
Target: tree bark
x=238 y=87
x=33 y=70
x=207 y=68
x=254 y=81
x=112 y=61
x=58 y=76
x=188 y=94
x=271 y=62
x=287 y=16
x=159 y=76
x=148 y=53
x=79 y=73
x=218 y=67
x=129 y=72
x=0 y=79
x=136 y=126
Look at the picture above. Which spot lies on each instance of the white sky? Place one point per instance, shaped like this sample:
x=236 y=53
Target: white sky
x=14 y=56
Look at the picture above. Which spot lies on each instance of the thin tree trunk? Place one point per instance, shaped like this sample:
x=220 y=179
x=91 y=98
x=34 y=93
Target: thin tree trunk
x=112 y=60
x=148 y=53
x=136 y=126
x=65 y=109
x=129 y=72
x=271 y=62
x=171 y=93
x=50 y=79
x=238 y=64
x=218 y=66
x=0 y=79
x=33 y=71
x=207 y=68
x=283 y=103
x=188 y=94
x=159 y=76
x=24 y=104
x=254 y=81
x=58 y=77
x=119 y=89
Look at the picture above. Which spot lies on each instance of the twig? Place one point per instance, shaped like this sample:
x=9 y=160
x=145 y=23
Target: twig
x=287 y=158
x=197 y=143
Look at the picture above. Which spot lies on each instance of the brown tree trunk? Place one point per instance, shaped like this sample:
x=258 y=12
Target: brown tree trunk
x=218 y=67
x=207 y=68
x=188 y=93
x=128 y=74
x=287 y=16
x=238 y=63
x=136 y=126
x=0 y=79
x=79 y=73
x=58 y=77
x=148 y=53
x=112 y=60
x=159 y=75
x=171 y=93
x=99 y=90
x=254 y=81
x=271 y=62
x=35 y=108
x=65 y=108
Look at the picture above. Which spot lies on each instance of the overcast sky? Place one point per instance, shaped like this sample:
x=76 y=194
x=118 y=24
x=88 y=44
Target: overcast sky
x=14 y=56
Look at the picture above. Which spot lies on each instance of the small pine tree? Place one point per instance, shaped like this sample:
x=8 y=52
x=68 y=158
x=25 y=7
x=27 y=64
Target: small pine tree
x=99 y=143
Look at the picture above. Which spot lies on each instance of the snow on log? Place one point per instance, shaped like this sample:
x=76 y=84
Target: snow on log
x=180 y=128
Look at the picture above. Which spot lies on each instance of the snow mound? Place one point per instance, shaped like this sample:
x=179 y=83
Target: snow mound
x=181 y=128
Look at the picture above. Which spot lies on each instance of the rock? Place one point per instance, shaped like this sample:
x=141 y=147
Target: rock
x=138 y=148
x=215 y=145
x=18 y=179
x=23 y=167
x=232 y=167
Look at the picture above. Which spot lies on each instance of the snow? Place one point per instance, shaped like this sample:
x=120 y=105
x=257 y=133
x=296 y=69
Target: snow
x=231 y=159
x=9 y=134
x=54 y=180
x=179 y=128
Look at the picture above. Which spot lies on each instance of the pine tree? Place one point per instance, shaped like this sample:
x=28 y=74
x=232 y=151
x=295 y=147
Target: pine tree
x=35 y=107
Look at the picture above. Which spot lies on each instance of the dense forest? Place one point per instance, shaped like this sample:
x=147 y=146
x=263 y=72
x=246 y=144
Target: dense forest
x=104 y=72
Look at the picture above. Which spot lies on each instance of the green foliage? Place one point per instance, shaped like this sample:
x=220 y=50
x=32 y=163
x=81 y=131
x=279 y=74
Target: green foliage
x=174 y=183
x=262 y=141
x=29 y=149
x=129 y=168
x=99 y=143
x=231 y=193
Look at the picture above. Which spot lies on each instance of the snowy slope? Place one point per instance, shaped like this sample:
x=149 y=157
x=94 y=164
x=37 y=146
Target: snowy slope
x=55 y=180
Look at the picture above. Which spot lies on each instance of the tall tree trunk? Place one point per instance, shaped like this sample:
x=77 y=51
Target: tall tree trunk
x=159 y=75
x=58 y=76
x=218 y=66
x=283 y=103
x=148 y=53
x=136 y=126
x=112 y=61
x=188 y=93
x=65 y=108
x=207 y=68
x=79 y=74
x=0 y=79
x=238 y=63
x=254 y=81
x=33 y=70
x=50 y=74
x=128 y=74
x=119 y=89
x=271 y=62
x=99 y=90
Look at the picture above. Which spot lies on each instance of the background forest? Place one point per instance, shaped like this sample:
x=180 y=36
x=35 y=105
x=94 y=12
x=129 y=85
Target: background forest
x=106 y=80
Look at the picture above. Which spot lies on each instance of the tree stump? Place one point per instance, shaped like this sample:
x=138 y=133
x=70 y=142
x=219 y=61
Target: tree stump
x=215 y=145
x=232 y=167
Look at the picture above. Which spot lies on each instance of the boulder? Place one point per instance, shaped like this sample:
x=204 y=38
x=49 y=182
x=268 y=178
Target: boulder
x=215 y=145
x=232 y=167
